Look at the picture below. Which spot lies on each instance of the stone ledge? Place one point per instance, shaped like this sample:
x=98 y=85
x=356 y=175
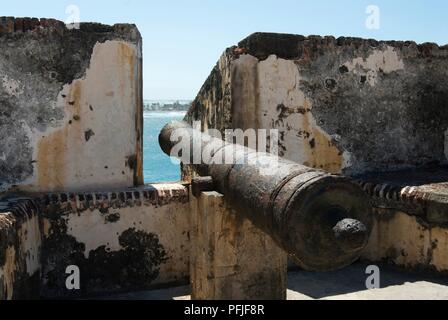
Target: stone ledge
x=420 y=192
x=12 y=25
x=154 y=194
x=36 y=244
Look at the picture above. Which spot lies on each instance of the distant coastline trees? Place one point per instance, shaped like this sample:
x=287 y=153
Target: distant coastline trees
x=162 y=106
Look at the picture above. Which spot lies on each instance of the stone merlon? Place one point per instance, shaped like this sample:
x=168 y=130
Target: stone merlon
x=62 y=107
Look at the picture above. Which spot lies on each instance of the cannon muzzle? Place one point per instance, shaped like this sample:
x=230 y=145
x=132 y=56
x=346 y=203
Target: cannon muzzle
x=323 y=221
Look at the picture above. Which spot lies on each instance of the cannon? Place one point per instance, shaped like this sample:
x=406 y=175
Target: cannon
x=322 y=220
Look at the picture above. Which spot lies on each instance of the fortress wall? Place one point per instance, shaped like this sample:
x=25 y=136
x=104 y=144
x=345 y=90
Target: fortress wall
x=70 y=106
x=71 y=122
x=349 y=106
x=129 y=240
x=345 y=105
x=407 y=241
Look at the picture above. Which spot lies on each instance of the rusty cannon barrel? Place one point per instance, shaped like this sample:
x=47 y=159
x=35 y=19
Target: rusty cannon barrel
x=323 y=221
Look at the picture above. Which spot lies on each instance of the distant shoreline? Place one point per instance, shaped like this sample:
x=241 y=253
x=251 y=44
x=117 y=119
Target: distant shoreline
x=166 y=111
x=166 y=106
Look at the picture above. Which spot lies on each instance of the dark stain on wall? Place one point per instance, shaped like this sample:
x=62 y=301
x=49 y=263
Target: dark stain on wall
x=88 y=134
x=112 y=217
x=131 y=162
x=134 y=267
x=398 y=123
x=261 y=45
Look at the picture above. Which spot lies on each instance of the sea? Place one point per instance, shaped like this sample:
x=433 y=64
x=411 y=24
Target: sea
x=157 y=166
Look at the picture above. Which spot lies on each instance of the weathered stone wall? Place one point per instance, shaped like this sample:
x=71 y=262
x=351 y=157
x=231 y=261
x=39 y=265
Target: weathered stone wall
x=411 y=218
x=135 y=239
x=71 y=122
x=344 y=105
x=70 y=106
x=230 y=258
x=355 y=107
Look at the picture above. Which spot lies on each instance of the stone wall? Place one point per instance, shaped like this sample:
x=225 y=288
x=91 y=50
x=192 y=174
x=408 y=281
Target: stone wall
x=231 y=258
x=133 y=239
x=71 y=121
x=70 y=106
x=352 y=106
x=344 y=105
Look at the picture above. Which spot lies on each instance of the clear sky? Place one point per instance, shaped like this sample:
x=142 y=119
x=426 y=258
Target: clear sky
x=183 y=39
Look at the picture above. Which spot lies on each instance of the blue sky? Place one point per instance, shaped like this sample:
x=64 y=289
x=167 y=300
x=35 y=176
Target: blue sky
x=183 y=39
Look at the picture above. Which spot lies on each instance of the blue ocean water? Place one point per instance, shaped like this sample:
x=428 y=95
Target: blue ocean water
x=158 y=167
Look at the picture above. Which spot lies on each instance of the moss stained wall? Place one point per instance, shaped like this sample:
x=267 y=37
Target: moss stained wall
x=131 y=240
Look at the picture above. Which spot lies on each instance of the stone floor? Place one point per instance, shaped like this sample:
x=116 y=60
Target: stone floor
x=346 y=284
